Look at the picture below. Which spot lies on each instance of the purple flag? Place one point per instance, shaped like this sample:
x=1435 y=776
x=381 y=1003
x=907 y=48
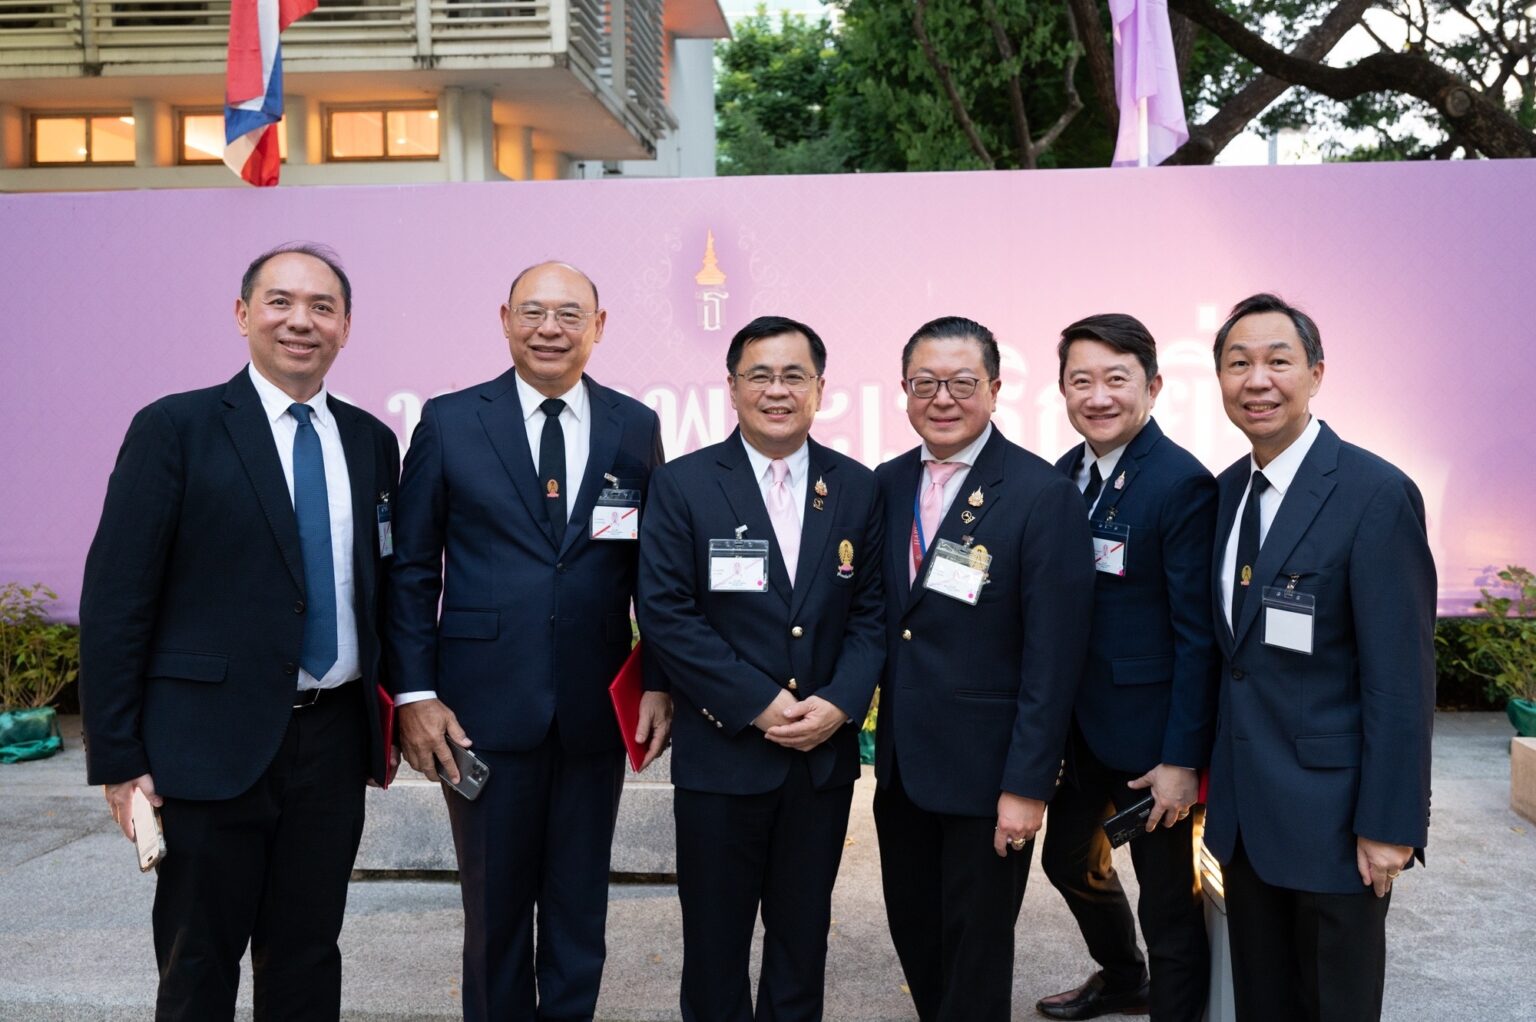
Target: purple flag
x=1146 y=83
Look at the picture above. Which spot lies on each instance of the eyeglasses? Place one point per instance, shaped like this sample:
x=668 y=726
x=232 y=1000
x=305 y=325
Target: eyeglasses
x=534 y=315
x=959 y=387
x=760 y=379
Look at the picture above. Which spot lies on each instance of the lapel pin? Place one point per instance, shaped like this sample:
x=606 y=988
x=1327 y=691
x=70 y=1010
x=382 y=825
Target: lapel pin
x=967 y=517
x=845 y=555
x=1120 y=480
x=821 y=487
x=552 y=489
x=1247 y=574
x=819 y=504
x=976 y=499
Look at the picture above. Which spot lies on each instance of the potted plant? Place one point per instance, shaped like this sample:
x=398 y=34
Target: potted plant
x=38 y=657
x=1501 y=645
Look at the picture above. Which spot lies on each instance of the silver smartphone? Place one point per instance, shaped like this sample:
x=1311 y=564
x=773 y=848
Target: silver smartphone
x=473 y=773
x=148 y=838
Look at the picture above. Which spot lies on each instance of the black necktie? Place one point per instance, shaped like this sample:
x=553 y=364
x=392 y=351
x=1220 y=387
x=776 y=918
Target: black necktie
x=1247 y=545
x=1095 y=484
x=552 y=466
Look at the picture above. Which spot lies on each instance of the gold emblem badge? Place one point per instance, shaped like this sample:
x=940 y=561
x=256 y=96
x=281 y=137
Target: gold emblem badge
x=978 y=557
x=967 y=517
x=552 y=489
x=821 y=487
x=976 y=499
x=818 y=504
x=845 y=555
x=1247 y=574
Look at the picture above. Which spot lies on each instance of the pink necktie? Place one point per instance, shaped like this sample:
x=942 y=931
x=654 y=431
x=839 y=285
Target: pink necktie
x=781 y=511
x=931 y=509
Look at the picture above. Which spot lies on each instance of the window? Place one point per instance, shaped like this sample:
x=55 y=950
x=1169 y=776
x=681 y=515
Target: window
x=82 y=138
x=393 y=133
x=202 y=137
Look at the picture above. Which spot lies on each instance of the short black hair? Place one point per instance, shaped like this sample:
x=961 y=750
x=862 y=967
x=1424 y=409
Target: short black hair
x=554 y=262
x=772 y=326
x=958 y=328
x=1126 y=334
x=314 y=250
x=1306 y=329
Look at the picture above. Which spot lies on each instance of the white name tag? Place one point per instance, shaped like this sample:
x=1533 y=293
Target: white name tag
x=1111 y=542
x=738 y=565
x=1288 y=619
x=958 y=571
x=610 y=521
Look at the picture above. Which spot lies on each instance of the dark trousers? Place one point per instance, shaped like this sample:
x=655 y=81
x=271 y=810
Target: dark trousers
x=778 y=851
x=952 y=903
x=540 y=835
x=1077 y=859
x=1303 y=957
x=269 y=868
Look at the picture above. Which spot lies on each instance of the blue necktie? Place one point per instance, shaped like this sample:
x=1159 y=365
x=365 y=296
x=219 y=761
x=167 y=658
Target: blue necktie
x=312 y=507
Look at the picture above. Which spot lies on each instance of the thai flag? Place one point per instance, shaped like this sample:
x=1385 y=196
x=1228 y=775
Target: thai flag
x=253 y=94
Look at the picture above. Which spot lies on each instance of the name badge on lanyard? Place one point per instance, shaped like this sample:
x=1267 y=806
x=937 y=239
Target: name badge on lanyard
x=1288 y=617
x=958 y=571
x=616 y=515
x=386 y=532
x=738 y=565
x=1111 y=544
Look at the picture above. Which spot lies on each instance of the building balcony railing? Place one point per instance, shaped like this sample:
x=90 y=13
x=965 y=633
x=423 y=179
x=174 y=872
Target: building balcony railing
x=53 y=38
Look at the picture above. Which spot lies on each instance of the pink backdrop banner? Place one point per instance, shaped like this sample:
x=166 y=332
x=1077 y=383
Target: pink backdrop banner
x=1416 y=273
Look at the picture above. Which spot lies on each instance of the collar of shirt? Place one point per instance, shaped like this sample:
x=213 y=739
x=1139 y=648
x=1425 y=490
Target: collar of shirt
x=1106 y=464
x=276 y=404
x=799 y=463
x=575 y=400
x=1282 y=468
x=965 y=456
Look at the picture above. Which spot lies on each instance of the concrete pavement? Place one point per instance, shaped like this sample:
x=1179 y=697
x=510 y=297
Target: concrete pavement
x=75 y=942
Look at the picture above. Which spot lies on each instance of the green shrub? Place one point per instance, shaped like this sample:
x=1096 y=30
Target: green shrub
x=1499 y=647
x=38 y=657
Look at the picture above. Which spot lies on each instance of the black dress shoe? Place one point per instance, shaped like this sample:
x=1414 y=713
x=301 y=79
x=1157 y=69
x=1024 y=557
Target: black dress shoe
x=1093 y=999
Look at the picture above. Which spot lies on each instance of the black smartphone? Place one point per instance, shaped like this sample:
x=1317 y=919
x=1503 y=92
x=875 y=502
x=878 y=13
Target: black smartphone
x=1128 y=823
x=473 y=773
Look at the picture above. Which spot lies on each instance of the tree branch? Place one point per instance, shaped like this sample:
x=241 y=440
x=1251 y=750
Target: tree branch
x=1074 y=101
x=1101 y=65
x=947 y=80
x=1015 y=90
x=1210 y=138
x=1481 y=121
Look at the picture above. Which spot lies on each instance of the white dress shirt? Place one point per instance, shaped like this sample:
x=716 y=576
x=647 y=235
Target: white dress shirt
x=1106 y=466
x=575 y=425
x=966 y=457
x=338 y=493
x=799 y=465
x=1280 y=473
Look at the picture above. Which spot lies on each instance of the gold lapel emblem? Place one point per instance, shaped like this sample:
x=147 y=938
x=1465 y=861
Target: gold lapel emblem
x=818 y=504
x=552 y=489
x=976 y=499
x=1120 y=480
x=967 y=517
x=845 y=555
x=1247 y=574
x=978 y=557
x=821 y=487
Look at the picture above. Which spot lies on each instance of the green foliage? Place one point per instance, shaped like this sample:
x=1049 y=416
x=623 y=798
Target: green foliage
x=37 y=657
x=772 y=97
x=1500 y=646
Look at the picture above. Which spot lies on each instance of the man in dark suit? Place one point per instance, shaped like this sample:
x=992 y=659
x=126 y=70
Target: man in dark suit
x=988 y=588
x=760 y=589
x=1146 y=704
x=230 y=650
x=1324 y=589
x=504 y=522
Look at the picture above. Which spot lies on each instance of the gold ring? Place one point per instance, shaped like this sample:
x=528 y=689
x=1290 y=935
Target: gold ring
x=1017 y=843
x=1394 y=874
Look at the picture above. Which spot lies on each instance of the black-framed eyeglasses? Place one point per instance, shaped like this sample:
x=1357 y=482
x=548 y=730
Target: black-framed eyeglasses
x=761 y=379
x=959 y=387
x=568 y=319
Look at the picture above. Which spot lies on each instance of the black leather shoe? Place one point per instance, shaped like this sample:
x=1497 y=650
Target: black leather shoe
x=1092 y=999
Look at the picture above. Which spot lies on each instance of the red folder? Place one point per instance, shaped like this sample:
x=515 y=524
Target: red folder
x=625 y=691
x=387 y=730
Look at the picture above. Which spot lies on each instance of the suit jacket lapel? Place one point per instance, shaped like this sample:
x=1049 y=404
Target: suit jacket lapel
x=251 y=433
x=978 y=495
x=607 y=432
x=745 y=496
x=1229 y=493
x=1307 y=494
x=1126 y=470
x=507 y=430
x=816 y=526
x=358 y=448
x=899 y=518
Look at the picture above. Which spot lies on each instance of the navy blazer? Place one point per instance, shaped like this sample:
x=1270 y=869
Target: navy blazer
x=728 y=655
x=533 y=627
x=975 y=701
x=1148 y=693
x=192 y=612
x=1313 y=750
